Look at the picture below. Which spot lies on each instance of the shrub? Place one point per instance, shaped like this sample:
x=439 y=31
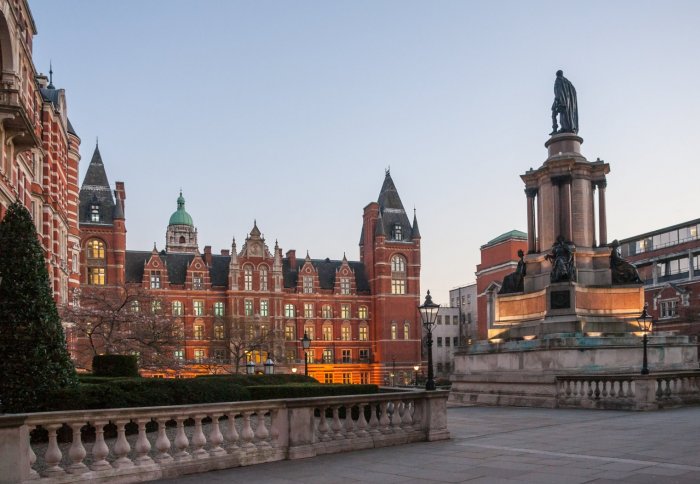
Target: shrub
x=256 y=380
x=115 y=365
x=306 y=390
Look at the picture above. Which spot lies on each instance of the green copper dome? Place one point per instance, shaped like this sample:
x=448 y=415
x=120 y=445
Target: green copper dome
x=180 y=216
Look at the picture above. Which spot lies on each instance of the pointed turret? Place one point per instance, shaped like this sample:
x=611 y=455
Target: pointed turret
x=96 y=201
x=379 y=229
x=395 y=223
x=414 y=229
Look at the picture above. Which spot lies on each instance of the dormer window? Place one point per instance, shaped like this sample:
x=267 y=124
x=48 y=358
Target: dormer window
x=197 y=281
x=94 y=213
x=398 y=233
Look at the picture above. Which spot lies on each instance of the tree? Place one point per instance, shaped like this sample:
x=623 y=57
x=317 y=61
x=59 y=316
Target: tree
x=124 y=320
x=243 y=338
x=35 y=361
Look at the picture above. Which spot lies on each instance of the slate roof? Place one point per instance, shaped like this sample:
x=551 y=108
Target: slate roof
x=392 y=211
x=49 y=94
x=71 y=129
x=95 y=189
x=177 y=265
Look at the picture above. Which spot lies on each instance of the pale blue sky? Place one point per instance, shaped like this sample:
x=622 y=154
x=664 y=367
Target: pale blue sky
x=289 y=112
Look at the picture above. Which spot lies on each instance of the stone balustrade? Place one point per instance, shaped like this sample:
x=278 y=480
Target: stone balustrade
x=137 y=444
x=629 y=391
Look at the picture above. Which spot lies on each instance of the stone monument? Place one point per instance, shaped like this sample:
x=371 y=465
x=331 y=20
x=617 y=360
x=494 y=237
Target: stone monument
x=571 y=305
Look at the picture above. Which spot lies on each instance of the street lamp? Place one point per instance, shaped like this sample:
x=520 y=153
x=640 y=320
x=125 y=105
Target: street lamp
x=644 y=322
x=250 y=367
x=294 y=370
x=306 y=344
x=428 y=314
x=269 y=366
x=415 y=373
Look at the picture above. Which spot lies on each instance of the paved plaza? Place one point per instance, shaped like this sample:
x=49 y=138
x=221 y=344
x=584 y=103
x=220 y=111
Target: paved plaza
x=508 y=445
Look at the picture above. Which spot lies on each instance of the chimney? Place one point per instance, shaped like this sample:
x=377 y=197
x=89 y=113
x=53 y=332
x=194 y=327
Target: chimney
x=207 y=255
x=292 y=257
x=225 y=252
x=42 y=80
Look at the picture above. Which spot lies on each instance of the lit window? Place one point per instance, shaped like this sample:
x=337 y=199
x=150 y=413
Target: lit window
x=96 y=276
x=198 y=331
x=263 y=307
x=219 y=331
x=199 y=355
x=393 y=330
x=345 y=333
x=197 y=281
x=218 y=309
x=346 y=356
x=177 y=308
x=263 y=278
x=364 y=355
x=248 y=278
x=327 y=332
x=345 y=311
x=289 y=333
x=362 y=312
x=328 y=355
x=398 y=264
x=327 y=312
x=198 y=308
x=135 y=307
x=344 y=285
x=406 y=330
x=289 y=310
x=263 y=330
x=179 y=355
x=398 y=286
x=248 y=307
x=96 y=249
x=308 y=310
x=155 y=279
x=155 y=306
x=364 y=332
x=398 y=232
x=398 y=275
x=290 y=355
x=311 y=356
x=309 y=331
x=308 y=284
x=94 y=213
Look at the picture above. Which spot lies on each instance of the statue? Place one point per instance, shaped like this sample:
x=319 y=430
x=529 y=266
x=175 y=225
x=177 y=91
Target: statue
x=514 y=282
x=622 y=271
x=562 y=259
x=565 y=105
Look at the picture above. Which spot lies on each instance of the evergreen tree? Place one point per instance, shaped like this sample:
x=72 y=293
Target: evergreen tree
x=34 y=360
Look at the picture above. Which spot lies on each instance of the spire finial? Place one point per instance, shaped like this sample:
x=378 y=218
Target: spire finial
x=50 y=86
x=97 y=141
x=387 y=171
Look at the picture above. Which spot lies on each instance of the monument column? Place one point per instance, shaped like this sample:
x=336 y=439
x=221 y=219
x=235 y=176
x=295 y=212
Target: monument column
x=556 y=207
x=602 y=222
x=531 y=193
x=565 y=207
x=591 y=210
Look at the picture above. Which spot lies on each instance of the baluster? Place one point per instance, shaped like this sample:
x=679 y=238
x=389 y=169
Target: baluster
x=232 y=434
x=604 y=391
x=181 y=442
x=373 y=420
x=274 y=430
x=247 y=431
x=261 y=433
x=198 y=439
x=32 y=460
x=384 y=419
x=669 y=381
x=121 y=447
x=361 y=421
x=659 y=391
x=567 y=390
x=77 y=451
x=631 y=388
x=406 y=417
x=590 y=389
x=417 y=414
x=597 y=390
x=323 y=428
x=53 y=454
x=395 y=415
x=580 y=388
x=215 y=436
x=349 y=423
x=613 y=384
x=99 y=449
x=143 y=446
x=335 y=425
x=163 y=443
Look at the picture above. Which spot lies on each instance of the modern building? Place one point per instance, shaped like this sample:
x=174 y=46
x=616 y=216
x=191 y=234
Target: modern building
x=39 y=149
x=464 y=298
x=668 y=261
x=446 y=339
x=361 y=315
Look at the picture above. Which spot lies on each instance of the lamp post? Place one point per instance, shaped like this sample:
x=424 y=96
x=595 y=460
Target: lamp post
x=428 y=314
x=415 y=373
x=306 y=344
x=250 y=367
x=269 y=366
x=294 y=370
x=644 y=322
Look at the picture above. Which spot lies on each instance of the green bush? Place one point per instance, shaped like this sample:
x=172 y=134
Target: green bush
x=115 y=365
x=256 y=380
x=307 y=390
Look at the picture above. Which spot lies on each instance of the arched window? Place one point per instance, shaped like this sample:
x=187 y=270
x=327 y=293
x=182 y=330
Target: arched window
x=345 y=334
x=364 y=332
x=398 y=275
x=326 y=311
x=248 y=278
x=263 y=278
x=362 y=312
x=309 y=331
x=393 y=330
x=96 y=262
x=182 y=239
x=96 y=249
x=406 y=330
x=327 y=332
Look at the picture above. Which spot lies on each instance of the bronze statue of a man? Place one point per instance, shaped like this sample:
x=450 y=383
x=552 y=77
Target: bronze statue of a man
x=564 y=105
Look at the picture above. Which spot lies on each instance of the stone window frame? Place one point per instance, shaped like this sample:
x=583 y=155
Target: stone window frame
x=264 y=307
x=363 y=332
x=394 y=331
x=198 y=307
x=345 y=332
x=247 y=277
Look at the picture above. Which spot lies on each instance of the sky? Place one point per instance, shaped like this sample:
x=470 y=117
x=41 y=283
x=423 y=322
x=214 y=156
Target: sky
x=288 y=113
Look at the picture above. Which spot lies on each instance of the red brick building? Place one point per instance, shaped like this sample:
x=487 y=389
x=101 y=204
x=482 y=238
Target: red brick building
x=39 y=149
x=499 y=257
x=668 y=261
x=361 y=315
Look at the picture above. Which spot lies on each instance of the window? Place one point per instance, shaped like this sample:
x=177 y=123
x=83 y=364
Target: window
x=328 y=378
x=197 y=281
x=347 y=378
x=263 y=307
x=247 y=278
x=328 y=355
x=96 y=276
x=362 y=312
x=344 y=285
x=309 y=331
x=345 y=311
x=199 y=355
x=439 y=341
x=439 y=367
x=155 y=306
x=364 y=333
x=668 y=309
x=406 y=330
x=248 y=307
x=455 y=341
x=198 y=308
x=447 y=342
x=219 y=331
x=179 y=355
x=311 y=356
x=345 y=333
x=96 y=249
x=198 y=331
x=290 y=355
x=696 y=262
x=393 y=331
x=398 y=275
x=364 y=355
x=347 y=356
x=308 y=284
x=263 y=330
x=219 y=355
x=398 y=264
x=263 y=278
x=327 y=311
x=135 y=307
x=289 y=310
x=364 y=378
x=177 y=308
x=218 y=309
x=398 y=232
x=155 y=279
x=439 y=319
x=94 y=213
x=308 y=310
x=289 y=333
x=327 y=332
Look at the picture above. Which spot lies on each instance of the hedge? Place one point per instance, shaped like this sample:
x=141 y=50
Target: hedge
x=115 y=365
x=255 y=380
x=306 y=390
